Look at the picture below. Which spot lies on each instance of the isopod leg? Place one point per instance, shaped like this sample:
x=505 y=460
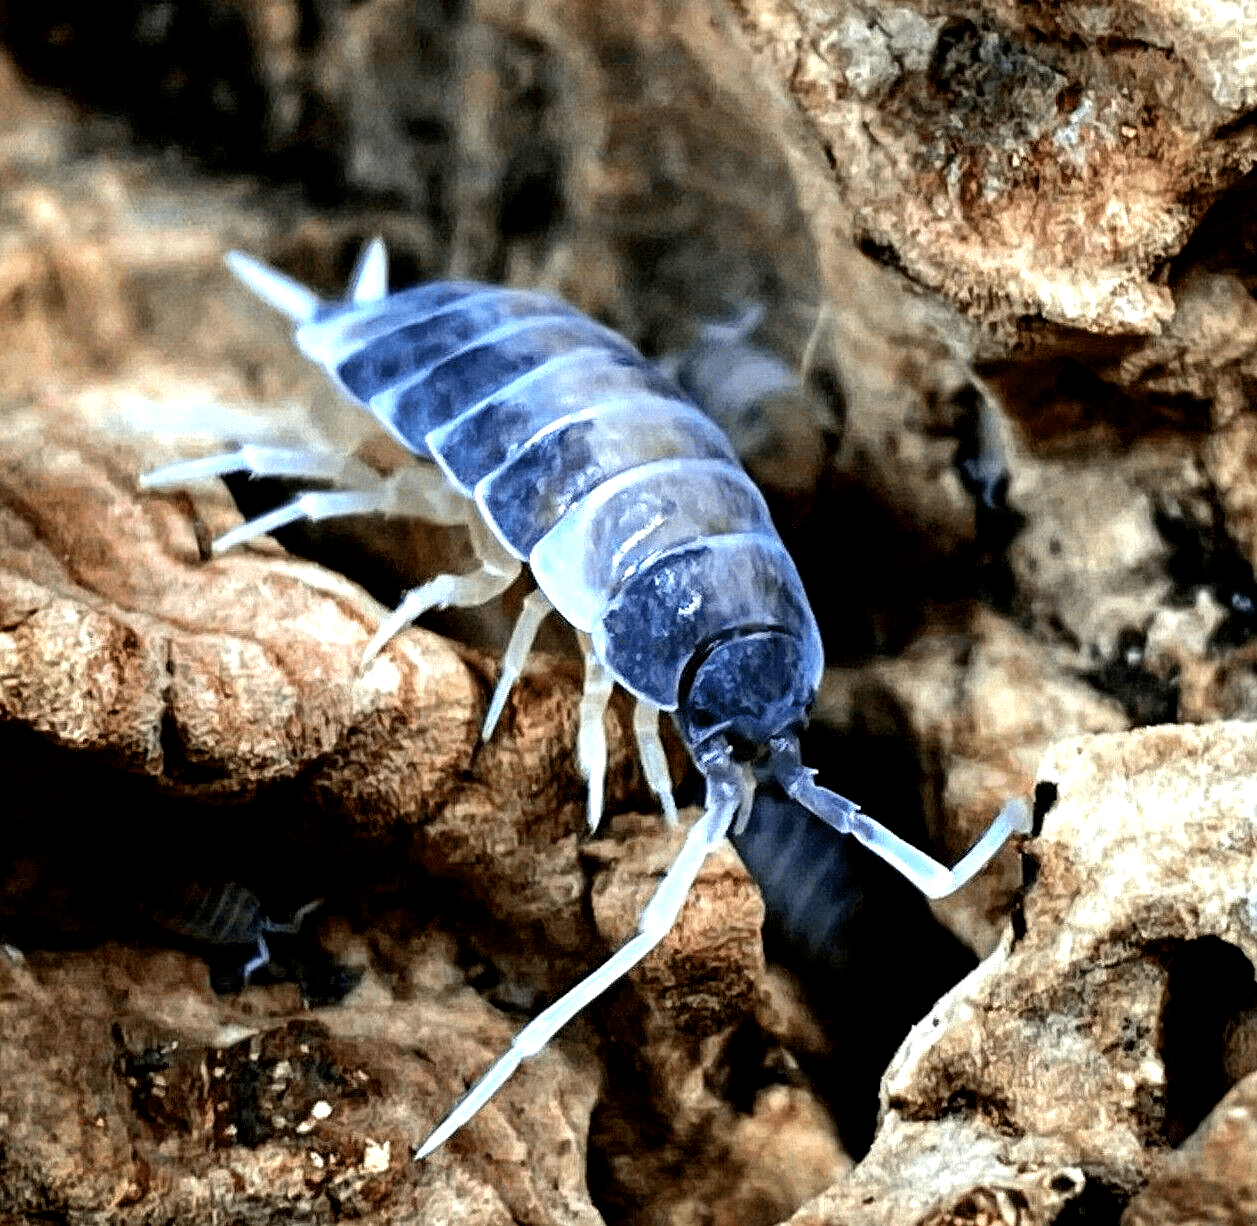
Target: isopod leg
x=329 y=504
x=258 y=461
x=535 y=610
x=293 y=925
x=654 y=760
x=727 y=794
x=497 y=571
x=422 y=491
x=257 y=962
x=591 y=735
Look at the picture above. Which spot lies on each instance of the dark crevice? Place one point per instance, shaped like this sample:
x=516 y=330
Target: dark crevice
x=1225 y=239
x=1098 y=1204
x=1204 y=557
x=1045 y=794
x=837 y=916
x=1147 y=697
x=1210 y=987
x=178 y=73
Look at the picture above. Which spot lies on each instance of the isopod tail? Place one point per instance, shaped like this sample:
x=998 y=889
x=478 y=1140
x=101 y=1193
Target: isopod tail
x=290 y=297
x=369 y=282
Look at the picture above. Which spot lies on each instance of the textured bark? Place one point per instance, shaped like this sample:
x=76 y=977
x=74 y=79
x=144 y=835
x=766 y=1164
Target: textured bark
x=996 y=221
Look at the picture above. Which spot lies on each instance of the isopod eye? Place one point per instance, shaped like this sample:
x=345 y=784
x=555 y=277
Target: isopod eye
x=748 y=689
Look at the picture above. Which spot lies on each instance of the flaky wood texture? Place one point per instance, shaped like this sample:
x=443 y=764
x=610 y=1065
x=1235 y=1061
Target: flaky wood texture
x=1033 y=221
x=1027 y=162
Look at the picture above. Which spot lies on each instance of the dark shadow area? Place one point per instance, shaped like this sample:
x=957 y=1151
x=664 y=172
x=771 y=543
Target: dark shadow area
x=1205 y=557
x=860 y=939
x=1065 y=407
x=1099 y=1204
x=180 y=74
x=1147 y=697
x=1225 y=238
x=862 y=943
x=877 y=577
x=1211 y=985
x=95 y=853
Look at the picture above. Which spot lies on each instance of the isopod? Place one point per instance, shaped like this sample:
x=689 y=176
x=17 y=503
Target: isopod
x=228 y=915
x=557 y=444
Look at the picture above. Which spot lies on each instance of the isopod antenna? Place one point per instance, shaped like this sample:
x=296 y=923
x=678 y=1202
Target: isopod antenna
x=933 y=879
x=730 y=791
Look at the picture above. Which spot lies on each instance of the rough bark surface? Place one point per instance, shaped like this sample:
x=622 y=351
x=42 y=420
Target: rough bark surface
x=1001 y=244
x=1028 y=164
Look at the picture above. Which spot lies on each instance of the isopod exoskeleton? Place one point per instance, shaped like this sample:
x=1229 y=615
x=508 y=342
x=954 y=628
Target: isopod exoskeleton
x=561 y=447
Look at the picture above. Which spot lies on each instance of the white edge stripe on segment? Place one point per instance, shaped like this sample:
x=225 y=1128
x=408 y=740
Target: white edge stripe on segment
x=599 y=636
x=382 y=406
x=617 y=404
x=436 y=437
x=333 y=346
x=586 y=616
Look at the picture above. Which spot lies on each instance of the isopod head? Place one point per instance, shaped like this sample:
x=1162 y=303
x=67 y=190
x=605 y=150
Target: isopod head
x=749 y=689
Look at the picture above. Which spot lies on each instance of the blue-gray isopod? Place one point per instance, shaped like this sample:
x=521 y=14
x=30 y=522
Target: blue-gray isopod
x=227 y=915
x=559 y=445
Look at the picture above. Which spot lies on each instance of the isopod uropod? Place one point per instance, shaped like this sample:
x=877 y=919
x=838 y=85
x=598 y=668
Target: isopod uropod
x=559 y=445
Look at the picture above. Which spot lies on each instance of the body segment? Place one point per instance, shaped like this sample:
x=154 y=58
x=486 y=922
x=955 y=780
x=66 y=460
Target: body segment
x=557 y=444
x=586 y=461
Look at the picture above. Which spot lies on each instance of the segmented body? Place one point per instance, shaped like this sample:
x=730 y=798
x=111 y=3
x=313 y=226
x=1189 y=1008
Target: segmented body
x=227 y=915
x=626 y=500
x=561 y=446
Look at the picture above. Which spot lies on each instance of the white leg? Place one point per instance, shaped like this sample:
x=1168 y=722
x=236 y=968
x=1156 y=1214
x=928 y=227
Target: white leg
x=725 y=797
x=423 y=491
x=461 y=591
x=535 y=610
x=330 y=504
x=654 y=760
x=591 y=735
x=259 y=461
x=497 y=571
